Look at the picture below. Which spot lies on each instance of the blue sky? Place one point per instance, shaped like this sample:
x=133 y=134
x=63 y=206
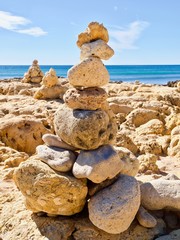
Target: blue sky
x=141 y=32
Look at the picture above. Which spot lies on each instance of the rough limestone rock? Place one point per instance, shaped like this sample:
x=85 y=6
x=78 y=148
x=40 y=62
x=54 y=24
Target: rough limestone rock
x=174 y=146
x=22 y=133
x=55 y=141
x=34 y=74
x=46 y=191
x=11 y=157
x=87 y=99
x=98 y=165
x=160 y=194
x=145 y=219
x=53 y=92
x=114 y=208
x=93 y=32
x=148 y=163
x=141 y=116
x=84 y=129
x=91 y=72
x=130 y=162
x=57 y=158
x=50 y=79
x=154 y=126
x=96 y=48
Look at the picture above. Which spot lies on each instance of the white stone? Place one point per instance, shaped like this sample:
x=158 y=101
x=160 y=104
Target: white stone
x=57 y=158
x=159 y=194
x=114 y=208
x=98 y=165
x=97 y=48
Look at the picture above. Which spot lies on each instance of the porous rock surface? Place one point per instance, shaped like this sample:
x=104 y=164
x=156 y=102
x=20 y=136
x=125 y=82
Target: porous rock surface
x=84 y=129
x=112 y=209
x=90 y=72
x=93 y=32
x=87 y=99
x=48 y=191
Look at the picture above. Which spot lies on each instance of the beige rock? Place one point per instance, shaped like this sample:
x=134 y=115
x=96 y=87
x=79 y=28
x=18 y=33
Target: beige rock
x=91 y=72
x=84 y=129
x=50 y=79
x=178 y=86
x=55 y=141
x=148 y=163
x=34 y=74
x=96 y=48
x=53 y=92
x=174 y=147
x=94 y=31
x=57 y=158
x=145 y=219
x=141 y=116
x=114 y=208
x=97 y=165
x=46 y=191
x=130 y=162
x=22 y=133
x=148 y=144
x=154 y=126
x=125 y=140
x=117 y=108
x=11 y=157
x=87 y=99
x=159 y=194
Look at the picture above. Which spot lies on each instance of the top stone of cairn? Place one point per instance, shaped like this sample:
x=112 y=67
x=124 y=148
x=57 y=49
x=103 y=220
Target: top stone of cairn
x=93 y=32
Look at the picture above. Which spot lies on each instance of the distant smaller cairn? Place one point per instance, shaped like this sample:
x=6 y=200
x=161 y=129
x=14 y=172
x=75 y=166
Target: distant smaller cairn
x=51 y=88
x=34 y=74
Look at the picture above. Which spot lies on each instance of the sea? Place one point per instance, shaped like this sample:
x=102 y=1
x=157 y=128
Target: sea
x=149 y=74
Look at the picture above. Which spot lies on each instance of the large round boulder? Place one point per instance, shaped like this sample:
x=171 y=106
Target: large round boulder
x=47 y=191
x=84 y=129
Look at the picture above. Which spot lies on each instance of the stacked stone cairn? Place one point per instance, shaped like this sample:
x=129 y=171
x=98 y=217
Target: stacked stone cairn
x=79 y=168
x=52 y=86
x=34 y=74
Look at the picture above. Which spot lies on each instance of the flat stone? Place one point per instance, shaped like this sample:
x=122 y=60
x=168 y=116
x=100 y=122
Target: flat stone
x=55 y=141
x=46 y=191
x=98 y=48
x=85 y=129
x=57 y=158
x=87 y=99
x=130 y=162
x=91 y=72
x=98 y=165
x=114 y=208
x=50 y=79
x=145 y=219
x=159 y=194
x=93 y=32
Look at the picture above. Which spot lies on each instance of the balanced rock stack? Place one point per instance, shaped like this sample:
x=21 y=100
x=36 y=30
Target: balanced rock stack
x=34 y=74
x=51 y=87
x=86 y=129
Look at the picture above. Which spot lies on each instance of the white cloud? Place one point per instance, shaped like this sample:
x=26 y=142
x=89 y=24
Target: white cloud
x=125 y=38
x=35 y=31
x=15 y=23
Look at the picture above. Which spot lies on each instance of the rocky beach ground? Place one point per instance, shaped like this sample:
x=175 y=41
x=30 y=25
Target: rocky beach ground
x=148 y=119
